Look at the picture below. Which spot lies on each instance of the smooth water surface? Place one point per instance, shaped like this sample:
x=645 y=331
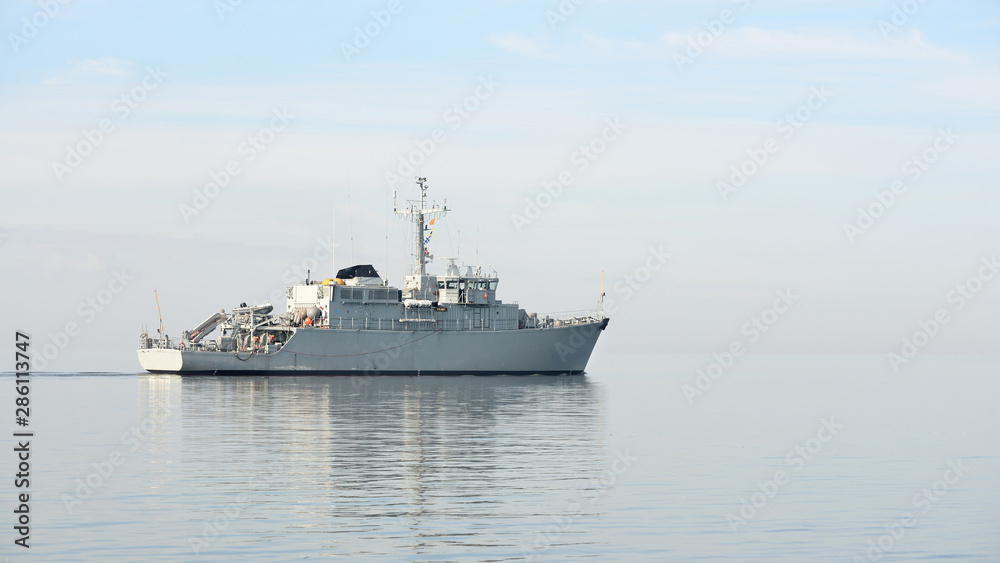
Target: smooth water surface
x=781 y=459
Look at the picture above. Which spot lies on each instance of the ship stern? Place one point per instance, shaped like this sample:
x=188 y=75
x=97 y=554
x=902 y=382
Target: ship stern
x=161 y=360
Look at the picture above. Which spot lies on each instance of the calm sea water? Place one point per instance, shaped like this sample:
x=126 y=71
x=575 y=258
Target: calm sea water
x=781 y=459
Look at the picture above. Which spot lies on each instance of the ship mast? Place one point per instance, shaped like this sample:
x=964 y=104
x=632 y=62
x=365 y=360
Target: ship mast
x=418 y=214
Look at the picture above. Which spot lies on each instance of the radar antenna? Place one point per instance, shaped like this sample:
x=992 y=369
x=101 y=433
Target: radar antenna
x=418 y=214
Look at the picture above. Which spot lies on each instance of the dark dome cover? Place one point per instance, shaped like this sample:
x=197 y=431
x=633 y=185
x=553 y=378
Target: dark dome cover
x=362 y=271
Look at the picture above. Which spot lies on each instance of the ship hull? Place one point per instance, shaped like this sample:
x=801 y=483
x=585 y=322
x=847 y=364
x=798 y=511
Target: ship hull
x=318 y=351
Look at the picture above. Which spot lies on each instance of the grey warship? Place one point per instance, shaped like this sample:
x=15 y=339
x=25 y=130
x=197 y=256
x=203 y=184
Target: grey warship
x=357 y=324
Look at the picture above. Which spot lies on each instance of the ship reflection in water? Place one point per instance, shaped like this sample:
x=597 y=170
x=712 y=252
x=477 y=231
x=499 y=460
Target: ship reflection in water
x=371 y=467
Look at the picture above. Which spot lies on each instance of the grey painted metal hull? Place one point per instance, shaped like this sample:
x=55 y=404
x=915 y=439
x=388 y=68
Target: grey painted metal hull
x=318 y=351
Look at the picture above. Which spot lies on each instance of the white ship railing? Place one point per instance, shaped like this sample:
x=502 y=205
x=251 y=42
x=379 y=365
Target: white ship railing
x=545 y=321
x=572 y=317
x=355 y=323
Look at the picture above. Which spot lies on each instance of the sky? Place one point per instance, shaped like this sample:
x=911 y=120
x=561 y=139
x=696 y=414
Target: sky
x=796 y=177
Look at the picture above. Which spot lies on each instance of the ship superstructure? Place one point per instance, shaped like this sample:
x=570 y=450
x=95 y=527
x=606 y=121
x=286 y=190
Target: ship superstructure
x=357 y=324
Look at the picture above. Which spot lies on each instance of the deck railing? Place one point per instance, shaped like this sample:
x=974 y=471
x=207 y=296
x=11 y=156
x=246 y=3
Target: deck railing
x=355 y=323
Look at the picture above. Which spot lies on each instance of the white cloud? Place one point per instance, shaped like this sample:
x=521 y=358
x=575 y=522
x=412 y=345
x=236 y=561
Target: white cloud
x=755 y=42
x=741 y=42
x=104 y=65
x=520 y=45
x=88 y=69
x=623 y=48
